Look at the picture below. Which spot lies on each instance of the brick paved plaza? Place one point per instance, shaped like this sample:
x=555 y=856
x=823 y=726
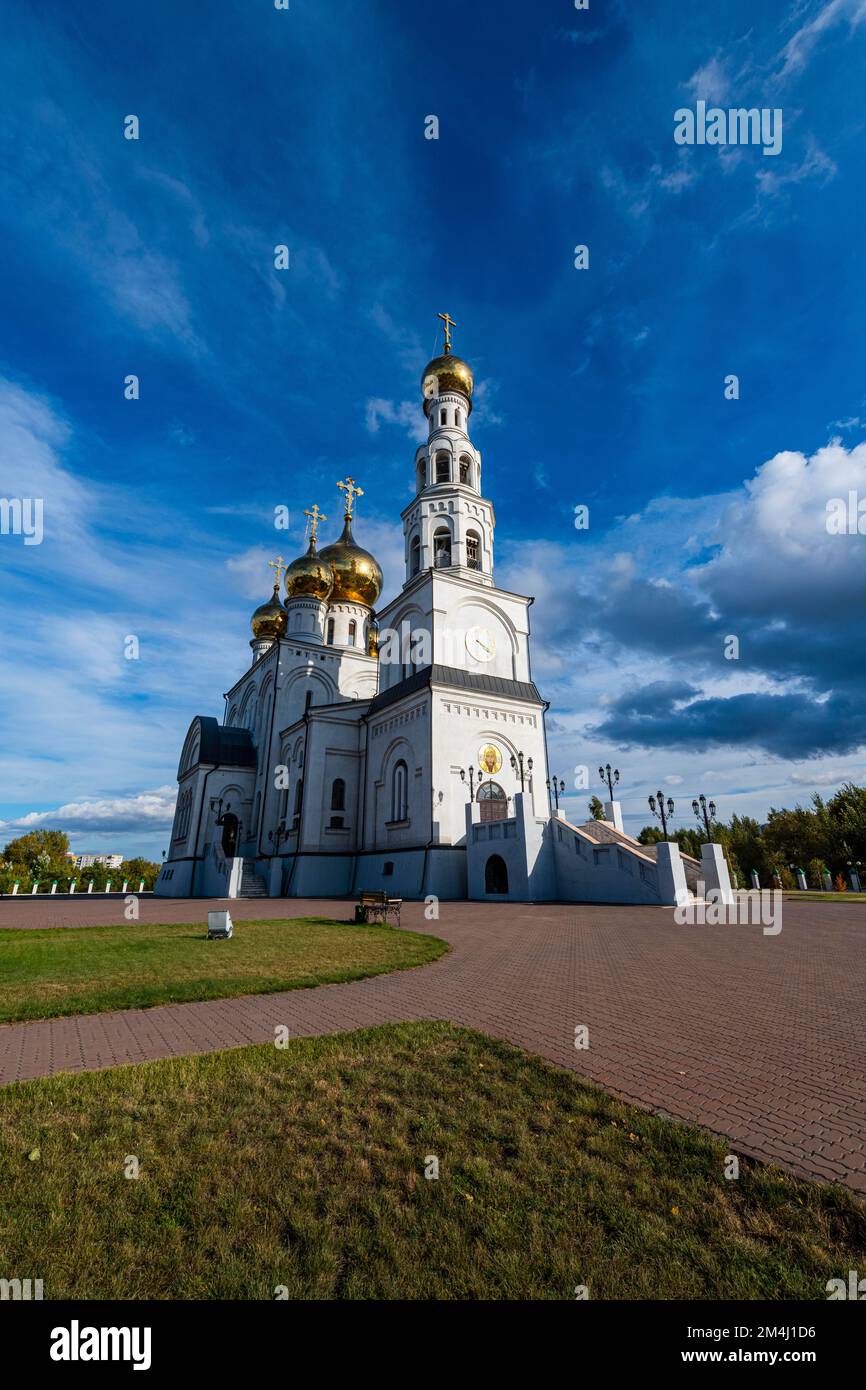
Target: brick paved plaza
x=759 y=1038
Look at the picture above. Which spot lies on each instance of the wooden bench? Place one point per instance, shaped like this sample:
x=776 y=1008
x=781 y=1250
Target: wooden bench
x=374 y=905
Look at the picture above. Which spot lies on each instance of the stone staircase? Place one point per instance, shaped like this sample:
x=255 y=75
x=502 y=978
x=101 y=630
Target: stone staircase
x=252 y=886
x=605 y=833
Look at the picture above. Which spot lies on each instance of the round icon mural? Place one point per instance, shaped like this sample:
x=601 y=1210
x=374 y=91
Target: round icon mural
x=489 y=759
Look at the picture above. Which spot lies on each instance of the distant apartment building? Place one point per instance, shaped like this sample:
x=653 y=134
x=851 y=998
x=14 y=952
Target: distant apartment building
x=86 y=861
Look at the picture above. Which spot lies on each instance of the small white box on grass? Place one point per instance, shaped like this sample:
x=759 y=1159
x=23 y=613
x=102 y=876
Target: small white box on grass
x=219 y=926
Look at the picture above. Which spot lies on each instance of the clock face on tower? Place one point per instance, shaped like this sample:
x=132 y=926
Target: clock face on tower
x=480 y=643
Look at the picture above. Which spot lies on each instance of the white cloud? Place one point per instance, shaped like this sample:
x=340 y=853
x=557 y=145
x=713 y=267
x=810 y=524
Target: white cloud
x=798 y=51
x=711 y=82
x=776 y=555
x=150 y=810
x=407 y=414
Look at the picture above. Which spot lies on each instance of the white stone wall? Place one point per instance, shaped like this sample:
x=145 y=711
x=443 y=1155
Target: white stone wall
x=587 y=871
x=463 y=723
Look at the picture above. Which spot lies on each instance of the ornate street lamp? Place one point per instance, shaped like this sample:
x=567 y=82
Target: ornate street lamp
x=705 y=812
x=556 y=788
x=517 y=764
x=610 y=778
x=471 y=771
x=657 y=806
x=217 y=805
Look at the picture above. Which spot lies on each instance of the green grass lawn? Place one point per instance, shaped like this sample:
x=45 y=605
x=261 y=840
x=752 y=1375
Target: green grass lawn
x=67 y=970
x=304 y=1168
x=808 y=896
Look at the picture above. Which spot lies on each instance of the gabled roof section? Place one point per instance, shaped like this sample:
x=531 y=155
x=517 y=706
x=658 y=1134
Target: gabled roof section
x=525 y=691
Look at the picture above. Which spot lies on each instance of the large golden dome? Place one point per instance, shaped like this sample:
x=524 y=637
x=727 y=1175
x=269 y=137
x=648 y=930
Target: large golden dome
x=446 y=373
x=310 y=576
x=357 y=576
x=270 y=619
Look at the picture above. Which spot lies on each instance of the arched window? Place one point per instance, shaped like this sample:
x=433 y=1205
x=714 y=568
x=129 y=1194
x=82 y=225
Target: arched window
x=399 y=792
x=330 y=633
x=465 y=465
x=443 y=468
x=441 y=548
x=415 y=555
x=495 y=875
x=353 y=628
x=492 y=800
x=299 y=796
x=458 y=417
x=338 y=794
x=422 y=474
x=284 y=804
x=473 y=550
x=443 y=417
x=184 y=807
x=248 y=710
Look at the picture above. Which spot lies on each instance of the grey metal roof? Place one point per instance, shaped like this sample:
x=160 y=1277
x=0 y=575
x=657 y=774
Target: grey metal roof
x=526 y=691
x=225 y=746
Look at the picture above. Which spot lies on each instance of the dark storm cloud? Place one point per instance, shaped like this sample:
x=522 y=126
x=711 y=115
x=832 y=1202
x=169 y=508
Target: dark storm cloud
x=786 y=726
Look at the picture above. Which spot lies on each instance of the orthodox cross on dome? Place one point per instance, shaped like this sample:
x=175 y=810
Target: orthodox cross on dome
x=352 y=491
x=449 y=324
x=315 y=517
x=279 y=565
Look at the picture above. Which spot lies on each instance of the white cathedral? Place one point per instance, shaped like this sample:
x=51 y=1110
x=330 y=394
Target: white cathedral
x=401 y=749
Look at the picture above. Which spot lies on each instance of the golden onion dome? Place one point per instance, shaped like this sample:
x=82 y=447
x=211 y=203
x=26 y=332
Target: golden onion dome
x=357 y=576
x=310 y=576
x=270 y=619
x=447 y=373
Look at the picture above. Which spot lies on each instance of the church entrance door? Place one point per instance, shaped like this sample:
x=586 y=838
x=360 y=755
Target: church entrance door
x=230 y=835
x=492 y=801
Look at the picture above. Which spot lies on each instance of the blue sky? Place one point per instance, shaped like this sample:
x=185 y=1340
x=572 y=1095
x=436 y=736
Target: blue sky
x=602 y=387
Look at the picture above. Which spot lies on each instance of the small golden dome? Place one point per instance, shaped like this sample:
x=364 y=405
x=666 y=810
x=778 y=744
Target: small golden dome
x=446 y=373
x=357 y=576
x=310 y=576
x=270 y=619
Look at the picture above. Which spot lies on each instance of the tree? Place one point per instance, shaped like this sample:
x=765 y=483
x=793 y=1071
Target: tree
x=650 y=835
x=689 y=841
x=596 y=809
x=795 y=836
x=136 y=870
x=815 y=873
x=744 y=844
x=40 y=851
x=844 y=818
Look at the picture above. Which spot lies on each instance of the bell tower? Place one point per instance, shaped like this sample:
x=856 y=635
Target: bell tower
x=449 y=526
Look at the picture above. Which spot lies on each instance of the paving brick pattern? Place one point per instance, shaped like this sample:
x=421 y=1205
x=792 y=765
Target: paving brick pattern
x=760 y=1039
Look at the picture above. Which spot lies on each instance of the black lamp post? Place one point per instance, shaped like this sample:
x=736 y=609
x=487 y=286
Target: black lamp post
x=517 y=766
x=705 y=812
x=610 y=778
x=471 y=771
x=657 y=806
x=217 y=805
x=556 y=788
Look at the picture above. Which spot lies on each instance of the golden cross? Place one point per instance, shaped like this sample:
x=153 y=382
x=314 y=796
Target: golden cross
x=279 y=565
x=351 y=490
x=449 y=324
x=315 y=517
